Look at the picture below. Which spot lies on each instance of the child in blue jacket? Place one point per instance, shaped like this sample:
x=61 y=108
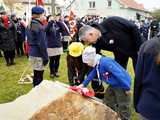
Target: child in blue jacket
x=109 y=71
x=38 y=56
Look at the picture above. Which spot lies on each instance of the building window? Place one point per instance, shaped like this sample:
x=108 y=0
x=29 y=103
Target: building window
x=49 y=11
x=109 y=3
x=92 y=4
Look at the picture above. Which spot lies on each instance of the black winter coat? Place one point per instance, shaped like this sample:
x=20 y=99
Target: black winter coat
x=119 y=35
x=7 y=37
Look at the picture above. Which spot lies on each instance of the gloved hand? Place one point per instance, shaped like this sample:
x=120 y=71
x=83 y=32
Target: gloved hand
x=45 y=62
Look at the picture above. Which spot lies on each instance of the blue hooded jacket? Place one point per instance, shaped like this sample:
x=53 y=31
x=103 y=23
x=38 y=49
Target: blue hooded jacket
x=111 y=73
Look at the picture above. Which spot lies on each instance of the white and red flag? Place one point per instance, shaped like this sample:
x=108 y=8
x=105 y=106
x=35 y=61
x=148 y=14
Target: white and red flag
x=72 y=22
x=40 y=2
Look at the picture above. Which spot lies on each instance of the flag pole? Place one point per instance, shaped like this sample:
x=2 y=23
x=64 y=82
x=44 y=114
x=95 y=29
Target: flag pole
x=28 y=13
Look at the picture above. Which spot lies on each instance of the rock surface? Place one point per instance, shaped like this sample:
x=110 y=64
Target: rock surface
x=54 y=101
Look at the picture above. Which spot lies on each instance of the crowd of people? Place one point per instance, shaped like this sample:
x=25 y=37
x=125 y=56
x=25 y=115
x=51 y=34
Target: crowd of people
x=46 y=39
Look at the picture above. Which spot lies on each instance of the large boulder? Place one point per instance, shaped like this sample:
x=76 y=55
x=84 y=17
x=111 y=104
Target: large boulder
x=54 y=101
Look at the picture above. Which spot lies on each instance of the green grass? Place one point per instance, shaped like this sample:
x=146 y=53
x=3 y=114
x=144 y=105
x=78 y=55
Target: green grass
x=9 y=76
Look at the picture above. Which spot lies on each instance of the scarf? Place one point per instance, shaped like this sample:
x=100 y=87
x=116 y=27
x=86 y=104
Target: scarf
x=5 y=21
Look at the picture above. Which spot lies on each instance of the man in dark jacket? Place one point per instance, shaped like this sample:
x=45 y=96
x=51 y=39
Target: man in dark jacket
x=154 y=28
x=66 y=38
x=38 y=47
x=115 y=34
x=147 y=81
x=20 y=29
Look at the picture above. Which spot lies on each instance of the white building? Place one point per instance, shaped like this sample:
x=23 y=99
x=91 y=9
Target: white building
x=19 y=7
x=125 y=8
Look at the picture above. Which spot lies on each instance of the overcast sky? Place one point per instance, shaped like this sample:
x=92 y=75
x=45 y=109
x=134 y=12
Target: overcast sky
x=150 y=4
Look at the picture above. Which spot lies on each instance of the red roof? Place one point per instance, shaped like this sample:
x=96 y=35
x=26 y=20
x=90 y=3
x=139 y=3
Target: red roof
x=132 y=4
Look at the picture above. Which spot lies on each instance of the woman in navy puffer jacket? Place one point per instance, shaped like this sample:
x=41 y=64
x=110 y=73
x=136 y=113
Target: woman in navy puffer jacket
x=54 y=30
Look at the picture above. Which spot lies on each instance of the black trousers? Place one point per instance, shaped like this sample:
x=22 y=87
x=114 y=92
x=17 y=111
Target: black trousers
x=65 y=45
x=38 y=77
x=9 y=56
x=19 y=47
x=123 y=59
x=54 y=64
x=0 y=53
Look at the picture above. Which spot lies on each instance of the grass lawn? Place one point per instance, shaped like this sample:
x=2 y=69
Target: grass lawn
x=9 y=76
